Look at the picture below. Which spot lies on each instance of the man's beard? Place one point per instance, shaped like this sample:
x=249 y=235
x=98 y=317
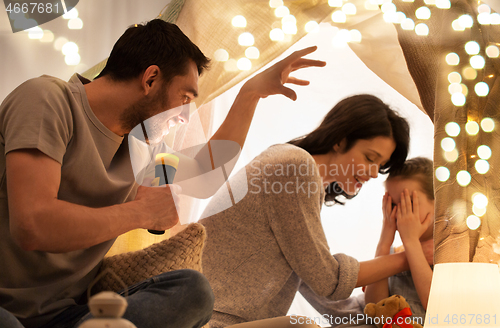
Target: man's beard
x=143 y=109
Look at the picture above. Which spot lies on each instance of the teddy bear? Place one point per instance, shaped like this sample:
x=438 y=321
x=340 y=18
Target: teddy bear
x=391 y=312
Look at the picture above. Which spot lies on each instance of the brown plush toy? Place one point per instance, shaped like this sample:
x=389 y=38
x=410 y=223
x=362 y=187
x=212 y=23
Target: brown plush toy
x=391 y=312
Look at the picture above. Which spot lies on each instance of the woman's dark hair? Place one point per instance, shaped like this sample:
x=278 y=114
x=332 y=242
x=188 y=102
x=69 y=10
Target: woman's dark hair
x=420 y=169
x=359 y=117
x=155 y=43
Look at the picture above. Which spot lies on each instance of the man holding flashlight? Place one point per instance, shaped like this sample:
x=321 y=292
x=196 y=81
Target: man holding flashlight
x=68 y=190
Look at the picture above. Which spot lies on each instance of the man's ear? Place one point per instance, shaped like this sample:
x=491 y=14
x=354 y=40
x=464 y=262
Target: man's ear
x=150 y=79
x=340 y=147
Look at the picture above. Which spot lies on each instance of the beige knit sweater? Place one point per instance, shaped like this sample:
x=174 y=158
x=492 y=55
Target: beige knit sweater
x=260 y=250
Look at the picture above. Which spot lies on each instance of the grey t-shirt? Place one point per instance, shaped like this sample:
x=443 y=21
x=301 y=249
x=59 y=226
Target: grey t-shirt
x=54 y=117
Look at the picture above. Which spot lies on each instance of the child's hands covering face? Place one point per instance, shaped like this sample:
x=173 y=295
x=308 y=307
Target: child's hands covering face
x=389 y=223
x=408 y=218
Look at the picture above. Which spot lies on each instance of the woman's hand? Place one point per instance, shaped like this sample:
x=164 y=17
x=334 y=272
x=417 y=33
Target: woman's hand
x=389 y=222
x=408 y=218
x=270 y=81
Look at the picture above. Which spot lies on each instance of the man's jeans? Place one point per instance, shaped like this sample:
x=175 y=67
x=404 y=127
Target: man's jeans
x=180 y=299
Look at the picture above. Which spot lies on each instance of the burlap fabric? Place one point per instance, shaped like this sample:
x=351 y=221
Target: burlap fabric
x=425 y=57
x=182 y=251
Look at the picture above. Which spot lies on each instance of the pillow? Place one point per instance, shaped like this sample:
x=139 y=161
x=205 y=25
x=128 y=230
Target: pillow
x=182 y=251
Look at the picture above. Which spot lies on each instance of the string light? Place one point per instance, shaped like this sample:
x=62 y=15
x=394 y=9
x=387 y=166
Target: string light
x=336 y=3
x=452 y=129
x=487 y=124
x=469 y=73
x=423 y=13
x=484 y=19
x=339 y=17
x=454 y=77
x=492 y=51
x=244 y=64
x=448 y=144
x=35 y=33
x=451 y=156
x=231 y=65
x=422 y=29
x=482 y=166
x=457 y=26
x=275 y=3
x=252 y=53
x=495 y=19
x=349 y=9
x=466 y=21
x=484 y=152
x=221 y=55
x=75 y=24
x=312 y=27
x=482 y=89
x=452 y=59
x=472 y=128
x=443 y=4
x=282 y=11
x=48 y=36
x=458 y=99
x=356 y=36
x=463 y=178
x=277 y=34
x=442 y=173
x=473 y=222
x=246 y=39
x=477 y=62
x=408 y=24
x=472 y=48
x=73 y=13
x=478 y=211
x=239 y=21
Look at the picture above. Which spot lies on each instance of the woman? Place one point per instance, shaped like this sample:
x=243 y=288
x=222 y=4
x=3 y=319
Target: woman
x=260 y=251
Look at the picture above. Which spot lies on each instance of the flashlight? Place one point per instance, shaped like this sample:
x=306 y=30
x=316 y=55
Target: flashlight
x=165 y=168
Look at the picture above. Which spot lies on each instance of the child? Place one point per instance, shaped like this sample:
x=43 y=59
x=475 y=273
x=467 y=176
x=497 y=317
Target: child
x=408 y=206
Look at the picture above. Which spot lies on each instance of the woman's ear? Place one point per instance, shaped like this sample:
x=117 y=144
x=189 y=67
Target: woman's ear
x=340 y=147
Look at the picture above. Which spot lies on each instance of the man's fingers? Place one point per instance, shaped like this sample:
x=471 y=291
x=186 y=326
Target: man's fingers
x=287 y=92
x=297 y=81
x=303 y=63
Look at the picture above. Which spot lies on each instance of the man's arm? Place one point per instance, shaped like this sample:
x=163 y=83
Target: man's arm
x=40 y=221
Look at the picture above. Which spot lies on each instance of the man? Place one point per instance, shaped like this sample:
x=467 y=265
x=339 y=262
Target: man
x=67 y=188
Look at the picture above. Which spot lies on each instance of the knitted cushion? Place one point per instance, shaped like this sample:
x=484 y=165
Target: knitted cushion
x=182 y=251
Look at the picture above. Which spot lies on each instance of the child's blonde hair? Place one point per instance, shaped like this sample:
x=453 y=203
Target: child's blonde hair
x=420 y=169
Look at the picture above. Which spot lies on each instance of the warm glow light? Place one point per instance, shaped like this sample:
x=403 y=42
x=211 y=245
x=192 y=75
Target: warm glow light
x=484 y=152
x=408 y=24
x=463 y=178
x=339 y=17
x=239 y=21
x=73 y=13
x=277 y=34
x=422 y=29
x=482 y=89
x=341 y=39
x=448 y=144
x=400 y=17
x=388 y=7
x=480 y=200
x=244 y=64
x=312 y=27
x=492 y=51
x=423 y=13
x=336 y=3
x=72 y=59
x=69 y=48
x=246 y=39
x=443 y=4
x=275 y=3
x=48 y=36
x=451 y=156
x=455 y=88
x=282 y=11
x=231 y=65
x=59 y=43
x=484 y=8
x=482 y=166
x=391 y=17
x=221 y=55
x=370 y=6
x=355 y=36
x=35 y=33
x=464 y=90
x=252 y=53
x=466 y=21
x=452 y=59
x=469 y=73
x=472 y=48
x=458 y=99
x=472 y=128
x=457 y=26
x=477 y=62
x=484 y=19
x=75 y=24
x=349 y=9
x=289 y=28
x=487 y=124
x=478 y=211
x=473 y=222
x=430 y=2
x=452 y=129
x=495 y=19
x=454 y=77
x=442 y=173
